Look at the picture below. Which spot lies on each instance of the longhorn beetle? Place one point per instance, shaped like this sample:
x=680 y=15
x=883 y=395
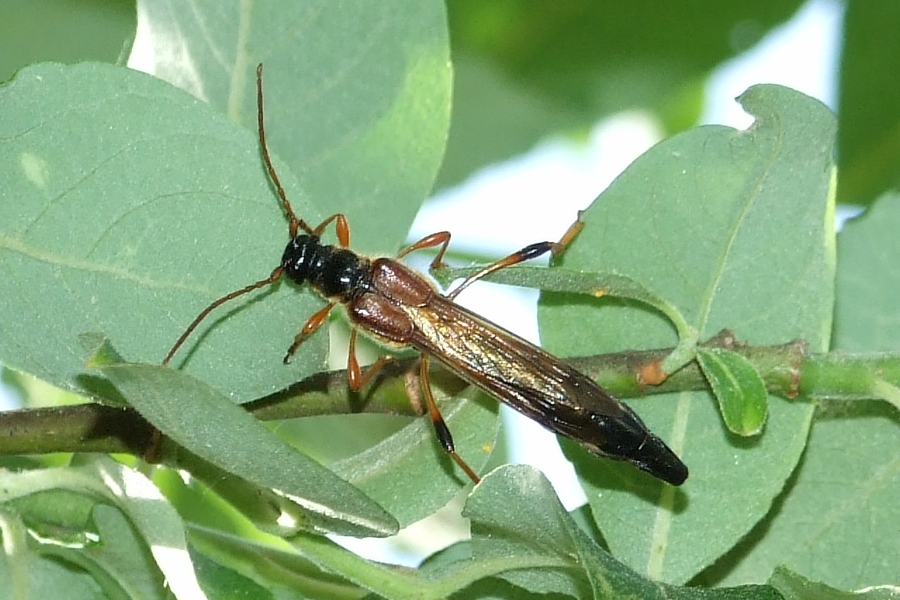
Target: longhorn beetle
x=396 y=305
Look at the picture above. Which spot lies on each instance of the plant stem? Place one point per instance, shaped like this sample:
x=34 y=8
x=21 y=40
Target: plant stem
x=787 y=370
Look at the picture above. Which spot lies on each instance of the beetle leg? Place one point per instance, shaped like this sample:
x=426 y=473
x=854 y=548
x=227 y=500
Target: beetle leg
x=310 y=327
x=440 y=427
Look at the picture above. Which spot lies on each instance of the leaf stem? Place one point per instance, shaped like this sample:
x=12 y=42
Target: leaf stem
x=787 y=370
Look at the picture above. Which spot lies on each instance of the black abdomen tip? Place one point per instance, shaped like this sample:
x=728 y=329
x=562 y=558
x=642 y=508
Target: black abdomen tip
x=656 y=458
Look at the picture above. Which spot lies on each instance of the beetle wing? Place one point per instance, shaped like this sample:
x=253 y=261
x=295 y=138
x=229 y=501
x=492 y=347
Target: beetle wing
x=539 y=385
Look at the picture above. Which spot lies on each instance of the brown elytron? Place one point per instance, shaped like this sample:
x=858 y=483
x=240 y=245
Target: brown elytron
x=394 y=304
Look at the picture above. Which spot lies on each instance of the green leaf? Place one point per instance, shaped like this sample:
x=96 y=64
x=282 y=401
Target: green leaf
x=844 y=496
x=200 y=219
x=563 y=280
x=121 y=560
x=738 y=387
x=428 y=473
x=223 y=583
x=16 y=563
x=519 y=526
x=869 y=132
x=842 y=502
x=733 y=228
x=27 y=573
x=207 y=424
x=154 y=520
x=521 y=534
x=866 y=315
x=66 y=514
x=796 y=587
x=129 y=207
x=272 y=567
x=516 y=517
x=357 y=95
x=68 y=32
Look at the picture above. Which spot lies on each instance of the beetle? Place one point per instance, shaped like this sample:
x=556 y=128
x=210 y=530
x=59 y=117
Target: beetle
x=398 y=306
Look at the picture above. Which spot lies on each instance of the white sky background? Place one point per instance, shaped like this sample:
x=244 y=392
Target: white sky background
x=481 y=212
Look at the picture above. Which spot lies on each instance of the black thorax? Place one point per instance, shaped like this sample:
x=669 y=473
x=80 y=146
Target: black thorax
x=336 y=272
